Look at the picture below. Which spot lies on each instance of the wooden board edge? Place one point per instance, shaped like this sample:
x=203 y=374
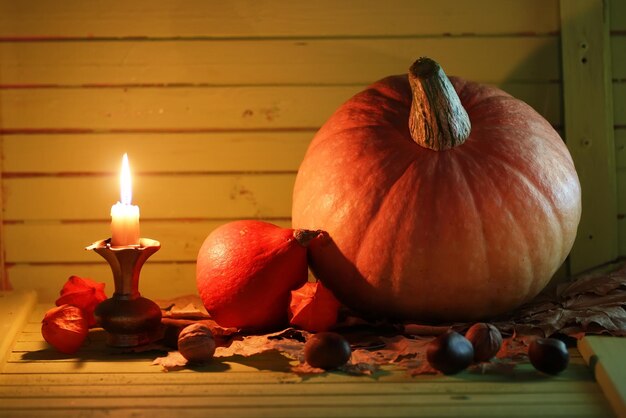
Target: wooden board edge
x=586 y=64
x=15 y=309
x=610 y=387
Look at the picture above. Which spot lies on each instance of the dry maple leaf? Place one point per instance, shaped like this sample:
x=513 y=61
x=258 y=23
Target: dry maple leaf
x=588 y=304
x=173 y=361
x=183 y=307
x=282 y=341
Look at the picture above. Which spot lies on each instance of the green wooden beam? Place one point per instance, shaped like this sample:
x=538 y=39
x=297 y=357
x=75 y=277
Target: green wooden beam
x=588 y=113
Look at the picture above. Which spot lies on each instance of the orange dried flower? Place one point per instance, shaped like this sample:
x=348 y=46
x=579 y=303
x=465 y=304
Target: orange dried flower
x=83 y=293
x=65 y=328
x=313 y=307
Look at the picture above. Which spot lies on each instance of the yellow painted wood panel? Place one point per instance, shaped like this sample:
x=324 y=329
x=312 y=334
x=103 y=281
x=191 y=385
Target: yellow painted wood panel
x=159 y=196
x=171 y=108
x=180 y=240
x=271 y=18
x=95 y=379
x=37 y=380
x=618 y=57
x=495 y=383
x=618 y=15
x=589 y=126
x=258 y=389
x=15 y=311
x=276 y=62
x=620 y=149
x=606 y=356
x=453 y=409
x=621 y=195
x=619 y=104
x=158 y=280
x=214 y=108
x=208 y=152
x=363 y=401
x=621 y=210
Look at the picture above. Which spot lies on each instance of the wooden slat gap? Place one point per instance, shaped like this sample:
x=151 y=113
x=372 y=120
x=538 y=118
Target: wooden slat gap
x=167 y=85
x=17 y=175
x=261 y=38
x=48 y=131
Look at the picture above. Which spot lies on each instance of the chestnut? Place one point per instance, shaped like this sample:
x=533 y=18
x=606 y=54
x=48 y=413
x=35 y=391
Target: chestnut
x=450 y=353
x=196 y=343
x=327 y=350
x=486 y=340
x=548 y=355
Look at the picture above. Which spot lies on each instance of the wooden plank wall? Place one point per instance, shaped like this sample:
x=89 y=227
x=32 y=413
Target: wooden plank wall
x=216 y=102
x=618 y=49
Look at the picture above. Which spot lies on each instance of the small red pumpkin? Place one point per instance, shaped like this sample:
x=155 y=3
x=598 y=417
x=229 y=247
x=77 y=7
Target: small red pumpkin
x=246 y=270
x=443 y=200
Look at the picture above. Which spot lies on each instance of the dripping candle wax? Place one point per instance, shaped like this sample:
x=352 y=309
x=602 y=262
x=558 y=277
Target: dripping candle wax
x=124 y=215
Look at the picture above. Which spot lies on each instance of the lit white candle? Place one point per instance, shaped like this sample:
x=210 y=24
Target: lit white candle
x=124 y=215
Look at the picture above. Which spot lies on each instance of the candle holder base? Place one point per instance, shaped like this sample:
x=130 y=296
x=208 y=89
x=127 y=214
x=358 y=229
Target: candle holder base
x=129 y=319
x=129 y=323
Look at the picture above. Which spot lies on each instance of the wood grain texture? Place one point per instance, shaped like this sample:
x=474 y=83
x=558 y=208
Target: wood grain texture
x=216 y=103
x=208 y=108
x=159 y=196
x=275 y=62
x=618 y=58
x=181 y=240
x=174 y=153
x=617 y=16
x=158 y=280
x=15 y=312
x=39 y=381
x=588 y=109
x=606 y=356
x=619 y=104
x=620 y=149
x=269 y=18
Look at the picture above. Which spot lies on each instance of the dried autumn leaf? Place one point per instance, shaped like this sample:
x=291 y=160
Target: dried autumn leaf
x=83 y=293
x=313 y=307
x=183 y=307
x=257 y=344
x=173 y=361
x=588 y=304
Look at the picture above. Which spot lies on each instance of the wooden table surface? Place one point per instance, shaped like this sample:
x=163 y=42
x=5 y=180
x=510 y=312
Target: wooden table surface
x=37 y=381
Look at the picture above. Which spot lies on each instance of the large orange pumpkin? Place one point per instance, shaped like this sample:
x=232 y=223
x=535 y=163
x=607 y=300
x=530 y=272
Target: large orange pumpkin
x=443 y=199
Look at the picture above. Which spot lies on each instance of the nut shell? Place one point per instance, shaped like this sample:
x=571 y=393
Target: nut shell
x=450 y=353
x=548 y=355
x=196 y=343
x=327 y=350
x=486 y=340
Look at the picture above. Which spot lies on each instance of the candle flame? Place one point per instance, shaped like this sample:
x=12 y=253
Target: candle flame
x=126 y=189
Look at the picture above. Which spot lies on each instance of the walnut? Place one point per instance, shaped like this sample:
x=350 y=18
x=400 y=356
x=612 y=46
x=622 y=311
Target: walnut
x=196 y=343
x=486 y=340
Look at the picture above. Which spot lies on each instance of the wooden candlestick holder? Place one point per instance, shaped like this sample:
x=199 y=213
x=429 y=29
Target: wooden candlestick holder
x=129 y=319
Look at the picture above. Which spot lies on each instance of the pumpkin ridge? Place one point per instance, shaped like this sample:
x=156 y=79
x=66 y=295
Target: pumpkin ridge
x=472 y=200
x=496 y=188
x=532 y=181
x=548 y=203
x=376 y=213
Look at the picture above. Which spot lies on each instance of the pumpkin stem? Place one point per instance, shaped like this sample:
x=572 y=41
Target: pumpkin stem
x=437 y=119
x=304 y=236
